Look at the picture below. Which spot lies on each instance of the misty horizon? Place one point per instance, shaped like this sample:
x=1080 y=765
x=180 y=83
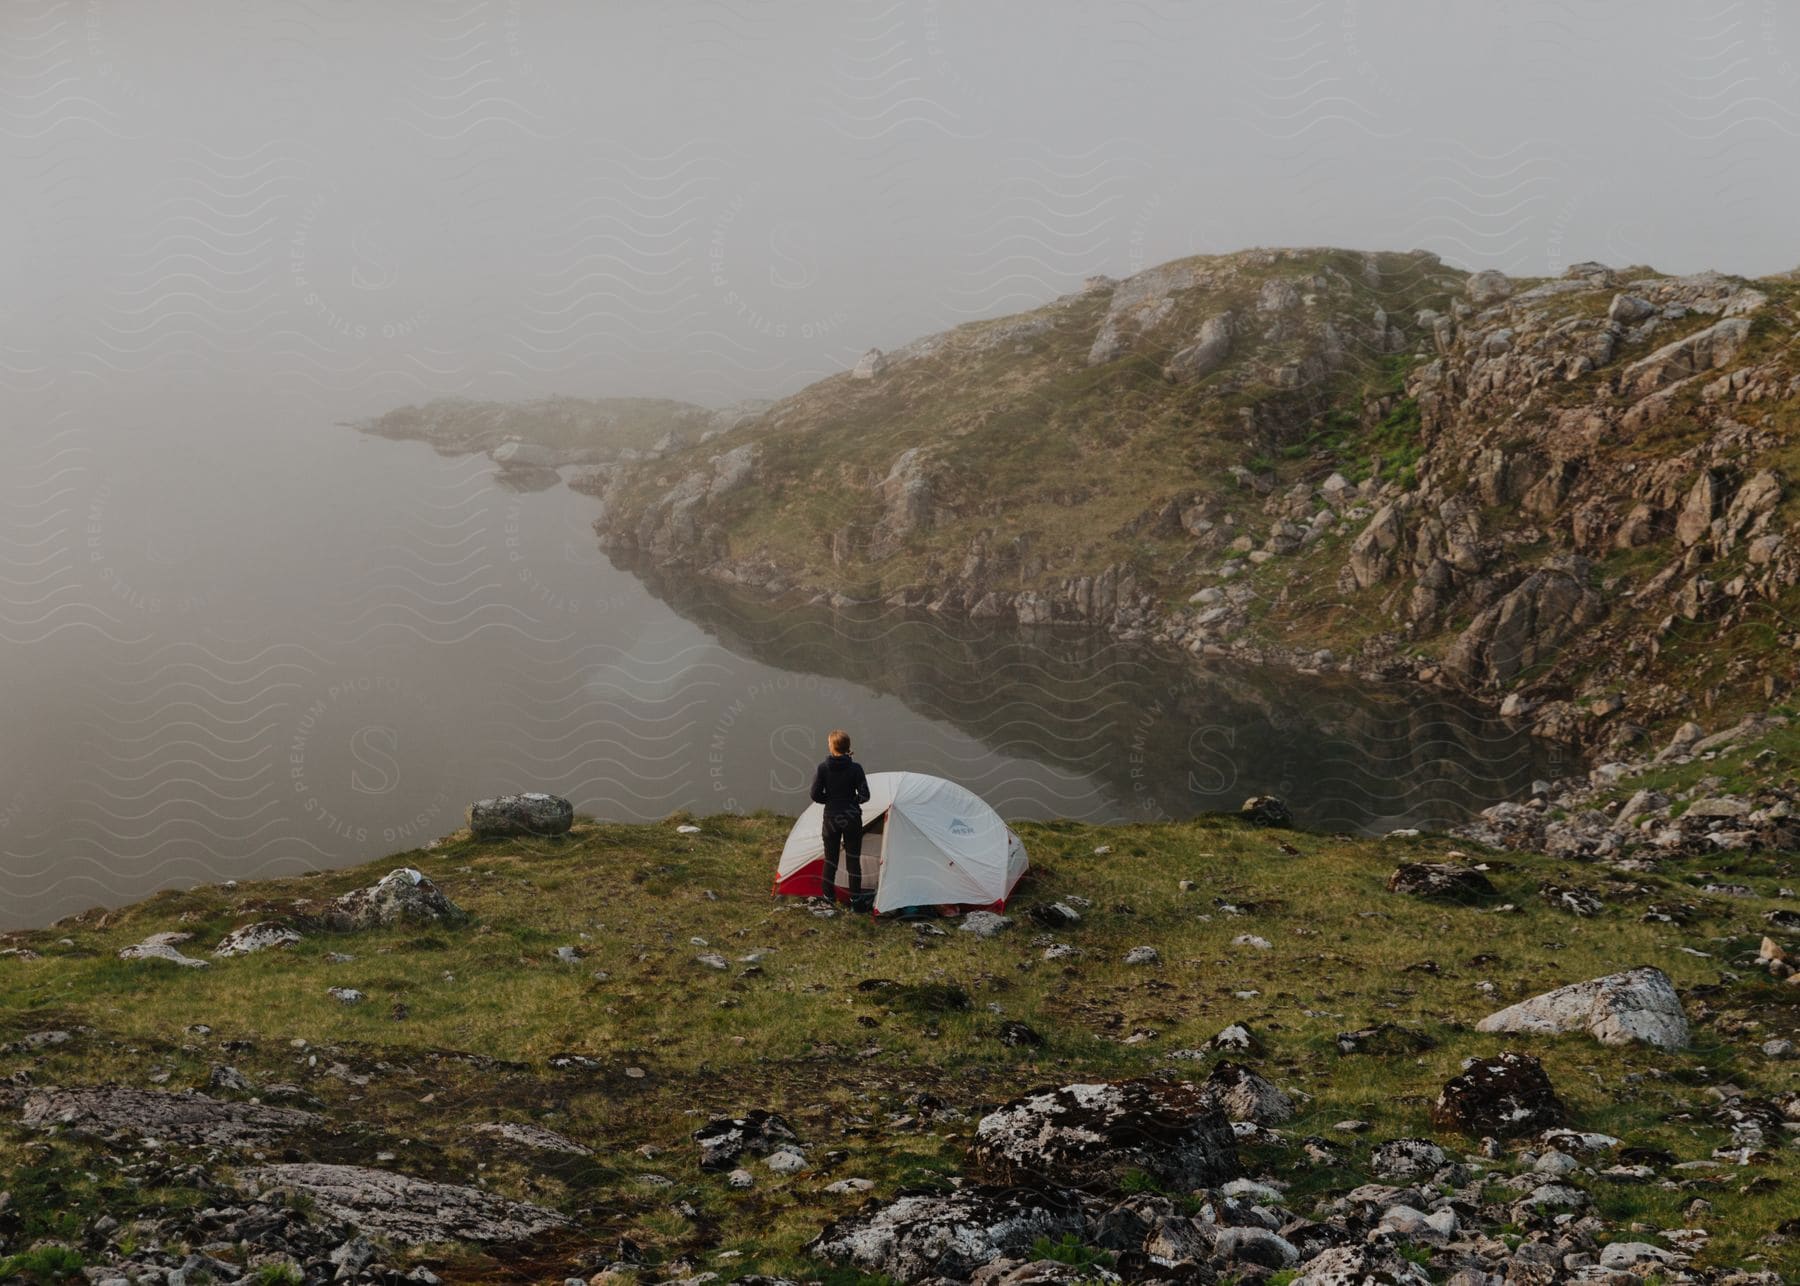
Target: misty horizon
x=351 y=211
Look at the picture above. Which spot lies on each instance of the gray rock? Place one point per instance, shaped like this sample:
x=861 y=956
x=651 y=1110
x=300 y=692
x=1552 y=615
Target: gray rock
x=532 y=813
x=162 y=946
x=186 y=1118
x=920 y=1237
x=532 y=1137
x=402 y=896
x=1095 y=1133
x=404 y=1209
x=1702 y=351
x=984 y=924
x=1243 y=1095
x=1251 y=1245
x=1487 y=287
x=1628 y=1254
x=1407 y=1159
x=1142 y=956
x=248 y=939
x=1638 y=1004
x=1208 y=352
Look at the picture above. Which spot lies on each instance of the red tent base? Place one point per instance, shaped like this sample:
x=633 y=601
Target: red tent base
x=809 y=882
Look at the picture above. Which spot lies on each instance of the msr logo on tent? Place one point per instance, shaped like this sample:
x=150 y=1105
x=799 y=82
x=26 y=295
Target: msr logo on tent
x=959 y=827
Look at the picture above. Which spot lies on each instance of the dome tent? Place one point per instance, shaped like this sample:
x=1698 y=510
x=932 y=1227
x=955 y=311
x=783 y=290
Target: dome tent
x=926 y=842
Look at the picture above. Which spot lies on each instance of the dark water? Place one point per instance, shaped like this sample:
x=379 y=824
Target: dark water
x=292 y=646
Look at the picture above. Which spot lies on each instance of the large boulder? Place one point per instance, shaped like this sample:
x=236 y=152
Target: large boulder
x=1635 y=1005
x=1488 y=286
x=1448 y=881
x=1508 y=1094
x=530 y=813
x=920 y=1236
x=247 y=939
x=1097 y=1133
x=407 y=1210
x=185 y=1118
x=402 y=896
x=1208 y=352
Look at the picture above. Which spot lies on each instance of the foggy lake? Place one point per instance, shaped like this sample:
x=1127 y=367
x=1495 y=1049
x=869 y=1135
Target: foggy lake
x=257 y=649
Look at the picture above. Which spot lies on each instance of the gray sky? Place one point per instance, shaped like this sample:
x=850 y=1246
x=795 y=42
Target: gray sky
x=352 y=205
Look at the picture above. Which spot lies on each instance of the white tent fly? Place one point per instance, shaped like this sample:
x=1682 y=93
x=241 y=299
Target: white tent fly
x=926 y=842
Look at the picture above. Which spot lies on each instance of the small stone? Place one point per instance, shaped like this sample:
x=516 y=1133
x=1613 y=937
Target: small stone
x=984 y=924
x=1142 y=956
x=740 y=1178
x=1779 y=1049
x=346 y=995
x=786 y=1161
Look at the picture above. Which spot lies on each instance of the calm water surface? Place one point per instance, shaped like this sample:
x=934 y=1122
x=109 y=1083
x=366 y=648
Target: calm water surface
x=292 y=646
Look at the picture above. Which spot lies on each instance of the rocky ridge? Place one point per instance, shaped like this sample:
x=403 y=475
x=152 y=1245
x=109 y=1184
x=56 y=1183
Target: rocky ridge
x=1550 y=493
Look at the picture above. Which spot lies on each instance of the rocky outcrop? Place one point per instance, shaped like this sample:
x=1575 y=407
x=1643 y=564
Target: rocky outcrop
x=1531 y=430
x=163 y=946
x=1704 y=350
x=1243 y=1095
x=248 y=939
x=1503 y=1096
x=185 y=1118
x=906 y=503
x=922 y=1237
x=532 y=813
x=401 y=897
x=1523 y=630
x=1373 y=554
x=531 y=1138
x=411 y=1211
x=1098 y=1132
x=1447 y=881
x=1208 y=352
x=1636 y=1005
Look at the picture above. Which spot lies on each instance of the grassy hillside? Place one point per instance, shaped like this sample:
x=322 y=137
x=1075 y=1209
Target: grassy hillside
x=882 y=1081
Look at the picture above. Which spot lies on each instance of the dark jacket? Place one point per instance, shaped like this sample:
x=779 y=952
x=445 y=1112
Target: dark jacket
x=840 y=785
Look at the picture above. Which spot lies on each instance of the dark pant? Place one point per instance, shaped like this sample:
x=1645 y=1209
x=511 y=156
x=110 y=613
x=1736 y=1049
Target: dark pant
x=843 y=829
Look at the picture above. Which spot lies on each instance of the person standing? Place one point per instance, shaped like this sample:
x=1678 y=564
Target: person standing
x=842 y=787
